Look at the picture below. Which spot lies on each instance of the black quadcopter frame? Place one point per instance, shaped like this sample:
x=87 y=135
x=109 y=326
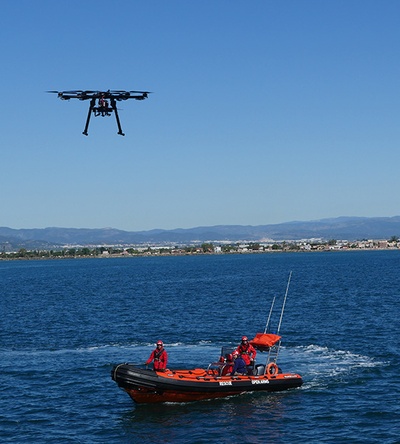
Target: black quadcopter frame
x=102 y=108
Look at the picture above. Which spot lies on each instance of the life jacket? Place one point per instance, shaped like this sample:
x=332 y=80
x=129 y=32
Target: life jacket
x=158 y=353
x=243 y=350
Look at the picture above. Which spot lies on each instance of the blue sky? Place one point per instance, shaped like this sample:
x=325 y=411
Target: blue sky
x=262 y=112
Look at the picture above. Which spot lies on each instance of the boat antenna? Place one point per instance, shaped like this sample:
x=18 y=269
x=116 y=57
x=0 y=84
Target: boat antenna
x=284 y=302
x=269 y=316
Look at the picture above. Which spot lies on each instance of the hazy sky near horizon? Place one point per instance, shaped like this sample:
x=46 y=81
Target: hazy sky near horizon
x=262 y=112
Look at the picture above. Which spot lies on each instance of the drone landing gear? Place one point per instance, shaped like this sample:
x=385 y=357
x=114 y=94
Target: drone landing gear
x=103 y=111
x=114 y=107
x=91 y=106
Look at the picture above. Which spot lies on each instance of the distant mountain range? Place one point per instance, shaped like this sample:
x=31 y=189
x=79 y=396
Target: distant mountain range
x=341 y=228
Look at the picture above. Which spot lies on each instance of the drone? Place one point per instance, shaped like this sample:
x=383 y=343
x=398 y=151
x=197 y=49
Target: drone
x=102 y=103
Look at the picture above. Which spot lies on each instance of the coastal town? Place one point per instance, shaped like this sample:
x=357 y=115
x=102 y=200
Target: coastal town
x=310 y=245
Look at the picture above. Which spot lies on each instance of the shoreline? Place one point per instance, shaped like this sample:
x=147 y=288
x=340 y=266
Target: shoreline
x=180 y=254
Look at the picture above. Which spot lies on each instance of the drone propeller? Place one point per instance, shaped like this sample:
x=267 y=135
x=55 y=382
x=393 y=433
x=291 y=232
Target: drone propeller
x=117 y=91
x=74 y=91
x=67 y=92
x=63 y=94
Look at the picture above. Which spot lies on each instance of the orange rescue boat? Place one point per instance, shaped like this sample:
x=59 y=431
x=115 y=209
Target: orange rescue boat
x=149 y=386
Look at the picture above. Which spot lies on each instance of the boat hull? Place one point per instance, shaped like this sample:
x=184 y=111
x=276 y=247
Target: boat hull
x=148 y=386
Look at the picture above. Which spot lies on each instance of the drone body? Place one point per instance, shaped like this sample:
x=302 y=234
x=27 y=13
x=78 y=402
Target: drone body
x=102 y=103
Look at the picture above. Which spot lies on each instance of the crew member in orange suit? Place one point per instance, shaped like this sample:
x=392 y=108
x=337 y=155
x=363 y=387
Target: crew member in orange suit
x=228 y=366
x=247 y=352
x=159 y=356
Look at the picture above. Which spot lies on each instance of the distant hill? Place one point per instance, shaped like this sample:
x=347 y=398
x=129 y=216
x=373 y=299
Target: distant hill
x=343 y=228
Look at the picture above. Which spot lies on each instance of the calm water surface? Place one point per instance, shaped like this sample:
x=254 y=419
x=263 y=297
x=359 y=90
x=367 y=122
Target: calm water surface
x=64 y=323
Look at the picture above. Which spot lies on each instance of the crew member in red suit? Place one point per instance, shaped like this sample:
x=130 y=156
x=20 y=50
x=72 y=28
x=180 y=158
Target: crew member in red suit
x=248 y=353
x=228 y=366
x=159 y=356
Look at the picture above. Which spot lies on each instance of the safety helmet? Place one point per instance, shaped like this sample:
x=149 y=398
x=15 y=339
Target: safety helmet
x=160 y=343
x=235 y=354
x=244 y=338
x=229 y=357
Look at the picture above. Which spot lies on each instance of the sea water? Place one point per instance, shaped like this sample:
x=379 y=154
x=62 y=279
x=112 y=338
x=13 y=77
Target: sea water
x=64 y=323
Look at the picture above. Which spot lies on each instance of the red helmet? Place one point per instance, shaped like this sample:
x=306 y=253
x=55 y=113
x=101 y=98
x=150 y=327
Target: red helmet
x=245 y=338
x=229 y=357
x=160 y=343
